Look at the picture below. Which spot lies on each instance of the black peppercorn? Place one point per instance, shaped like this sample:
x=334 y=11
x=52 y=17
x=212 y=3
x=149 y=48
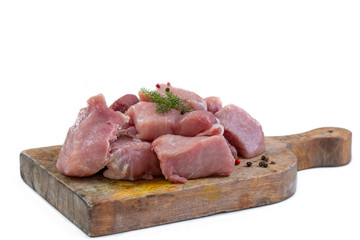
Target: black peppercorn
x=261 y=164
x=263 y=157
x=249 y=164
x=265 y=165
x=167 y=89
x=272 y=162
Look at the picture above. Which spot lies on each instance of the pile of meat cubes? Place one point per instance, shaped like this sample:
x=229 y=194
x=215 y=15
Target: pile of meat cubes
x=130 y=140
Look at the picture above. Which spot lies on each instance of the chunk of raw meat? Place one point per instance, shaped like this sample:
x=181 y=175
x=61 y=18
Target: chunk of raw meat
x=183 y=158
x=242 y=131
x=132 y=159
x=196 y=122
x=127 y=130
x=194 y=100
x=151 y=125
x=87 y=144
x=123 y=103
x=214 y=104
x=216 y=129
x=232 y=149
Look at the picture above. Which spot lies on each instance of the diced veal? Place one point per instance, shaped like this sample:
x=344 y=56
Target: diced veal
x=242 y=131
x=123 y=103
x=197 y=102
x=183 y=158
x=87 y=144
x=214 y=104
x=132 y=159
x=151 y=125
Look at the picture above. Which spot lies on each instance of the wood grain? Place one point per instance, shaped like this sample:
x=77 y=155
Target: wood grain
x=101 y=206
x=322 y=147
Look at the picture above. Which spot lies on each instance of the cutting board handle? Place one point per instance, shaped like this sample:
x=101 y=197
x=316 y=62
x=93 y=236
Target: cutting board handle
x=321 y=147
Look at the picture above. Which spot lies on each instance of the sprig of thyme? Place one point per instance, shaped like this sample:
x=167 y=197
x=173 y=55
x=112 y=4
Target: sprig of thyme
x=166 y=102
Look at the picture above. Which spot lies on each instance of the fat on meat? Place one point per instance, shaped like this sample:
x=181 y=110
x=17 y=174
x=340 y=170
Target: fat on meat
x=242 y=131
x=151 y=125
x=182 y=158
x=216 y=129
x=213 y=103
x=127 y=130
x=123 y=103
x=132 y=159
x=197 y=102
x=87 y=144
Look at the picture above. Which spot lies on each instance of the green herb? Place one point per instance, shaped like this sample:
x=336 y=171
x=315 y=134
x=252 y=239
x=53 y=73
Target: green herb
x=166 y=102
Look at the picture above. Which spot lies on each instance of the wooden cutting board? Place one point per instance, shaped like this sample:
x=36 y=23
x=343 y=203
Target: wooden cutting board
x=101 y=206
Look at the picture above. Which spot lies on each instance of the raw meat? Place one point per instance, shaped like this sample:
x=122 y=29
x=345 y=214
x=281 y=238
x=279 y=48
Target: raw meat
x=214 y=104
x=123 y=103
x=216 y=129
x=232 y=149
x=196 y=122
x=194 y=100
x=242 y=131
x=151 y=125
x=183 y=158
x=86 y=147
x=127 y=130
x=132 y=159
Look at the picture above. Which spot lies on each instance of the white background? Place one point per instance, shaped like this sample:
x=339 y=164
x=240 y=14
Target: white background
x=293 y=65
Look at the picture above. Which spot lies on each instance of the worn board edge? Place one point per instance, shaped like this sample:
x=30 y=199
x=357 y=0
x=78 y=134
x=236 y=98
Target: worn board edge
x=323 y=147
x=72 y=206
x=101 y=218
x=194 y=202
